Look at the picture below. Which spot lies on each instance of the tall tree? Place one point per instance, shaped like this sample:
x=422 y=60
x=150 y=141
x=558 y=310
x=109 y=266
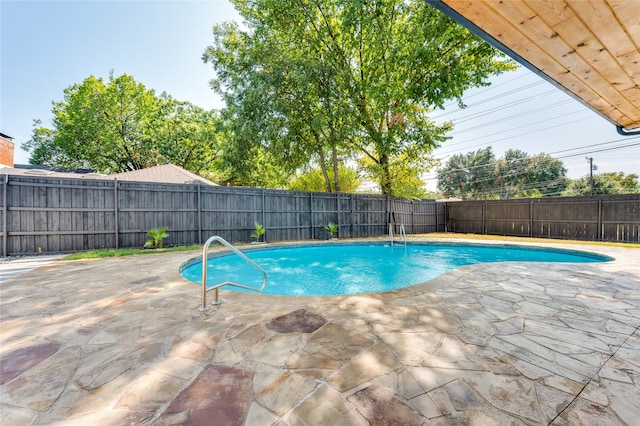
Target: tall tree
x=479 y=175
x=278 y=97
x=186 y=135
x=547 y=177
x=346 y=77
x=628 y=183
x=604 y=183
x=313 y=179
x=469 y=176
x=120 y=125
x=520 y=175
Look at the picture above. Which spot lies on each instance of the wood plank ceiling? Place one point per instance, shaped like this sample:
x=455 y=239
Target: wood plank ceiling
x=590 y=48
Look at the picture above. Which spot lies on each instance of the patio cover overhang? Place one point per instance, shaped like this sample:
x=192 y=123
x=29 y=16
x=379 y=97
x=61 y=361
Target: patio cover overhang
x=588 y=48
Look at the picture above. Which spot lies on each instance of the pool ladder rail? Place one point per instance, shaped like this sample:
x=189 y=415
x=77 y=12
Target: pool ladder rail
x=402 y=234
x=216 y=299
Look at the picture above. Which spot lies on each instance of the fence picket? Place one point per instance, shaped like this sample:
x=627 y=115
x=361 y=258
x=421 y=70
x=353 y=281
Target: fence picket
x=65 y=215
x=53 y=215
x=598 y=218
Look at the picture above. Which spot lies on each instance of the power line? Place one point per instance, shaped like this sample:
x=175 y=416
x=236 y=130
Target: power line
x=484 y=101
x=493 y=87
x=492 y=142
x=503 y=119
x=625 y=140
x=601 y=150
x=485 y=107
x=500 y=108
x=494 y=163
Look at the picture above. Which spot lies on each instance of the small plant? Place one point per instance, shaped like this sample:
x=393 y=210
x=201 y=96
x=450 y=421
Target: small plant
x=259 y=231
x=157 y=235
x=332 y=229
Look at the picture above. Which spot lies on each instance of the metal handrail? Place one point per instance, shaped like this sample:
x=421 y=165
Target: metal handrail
x=391 y=234
x=215 y=287
x=403 y=234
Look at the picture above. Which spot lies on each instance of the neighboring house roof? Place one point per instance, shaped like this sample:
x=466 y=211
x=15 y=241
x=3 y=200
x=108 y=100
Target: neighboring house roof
x=57 y=172
x=588 y=49
x=167 y=173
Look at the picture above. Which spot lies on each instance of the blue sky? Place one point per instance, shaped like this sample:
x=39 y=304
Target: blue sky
x=46 y=46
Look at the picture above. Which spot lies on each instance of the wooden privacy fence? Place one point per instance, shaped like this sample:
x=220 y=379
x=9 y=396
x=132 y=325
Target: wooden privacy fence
x=598 y=218
x=52 y=215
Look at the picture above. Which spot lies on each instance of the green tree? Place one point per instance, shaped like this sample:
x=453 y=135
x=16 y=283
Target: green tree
x=185 y=135
x=120 y=125
x=478 y=175
x=469 y=176
x=546 y=176
x=345 y=77
x=43 y=148
x=276 y=101
x=313 y=180
x=628 y=183
x=604 y=183
x=520 y=175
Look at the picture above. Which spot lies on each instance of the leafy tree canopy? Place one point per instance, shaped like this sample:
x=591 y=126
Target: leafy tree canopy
x=479 y=175
x=469 y=176
x=604 y=183
x=120 y=125
x=354 y=79
x=313 y=180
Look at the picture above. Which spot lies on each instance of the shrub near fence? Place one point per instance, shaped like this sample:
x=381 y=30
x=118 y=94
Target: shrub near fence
x=52 y=215
x=598 y=218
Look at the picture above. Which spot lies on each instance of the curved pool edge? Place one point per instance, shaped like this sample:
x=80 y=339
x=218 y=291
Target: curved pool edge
x=571 y=249
x=602 y=252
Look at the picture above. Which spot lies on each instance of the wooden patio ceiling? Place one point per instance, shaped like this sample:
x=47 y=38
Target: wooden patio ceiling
x=588 y=48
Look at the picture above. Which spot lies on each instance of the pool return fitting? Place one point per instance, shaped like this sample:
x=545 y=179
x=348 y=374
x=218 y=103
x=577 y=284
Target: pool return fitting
x=216 y=300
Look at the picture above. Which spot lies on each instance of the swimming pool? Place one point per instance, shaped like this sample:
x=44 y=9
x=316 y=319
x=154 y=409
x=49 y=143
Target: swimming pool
x=333 y=269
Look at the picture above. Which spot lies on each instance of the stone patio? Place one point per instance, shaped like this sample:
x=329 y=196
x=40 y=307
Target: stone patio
x=121 y=341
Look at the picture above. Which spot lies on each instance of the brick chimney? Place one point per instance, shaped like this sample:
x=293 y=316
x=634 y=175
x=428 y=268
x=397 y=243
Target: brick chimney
x=6 y=150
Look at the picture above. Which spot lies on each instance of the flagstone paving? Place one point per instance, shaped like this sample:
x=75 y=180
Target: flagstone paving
x=121 y=341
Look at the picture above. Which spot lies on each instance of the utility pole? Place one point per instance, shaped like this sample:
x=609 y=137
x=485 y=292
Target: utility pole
x=592 y=167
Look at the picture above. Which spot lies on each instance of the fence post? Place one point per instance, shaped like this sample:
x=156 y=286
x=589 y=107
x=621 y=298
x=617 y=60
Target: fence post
x=599 y=231
x=446 y=218
x=435 y=208
x=484 y=211
x=531 y=218
x=5 y=211
x=412 y=228
x=351 y=227
x=199 y=200
x=263 y=223
x=388 y=208
x=311 y=214
x=115 y=211
x=338 y=211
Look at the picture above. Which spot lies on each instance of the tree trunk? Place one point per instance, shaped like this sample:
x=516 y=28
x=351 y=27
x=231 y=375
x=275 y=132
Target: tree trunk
x=323 y=167
x=336 y=177
x=385 y=179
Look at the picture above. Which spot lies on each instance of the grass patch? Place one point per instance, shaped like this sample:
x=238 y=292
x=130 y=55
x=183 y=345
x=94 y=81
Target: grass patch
x=452 y=235
x=98 y=254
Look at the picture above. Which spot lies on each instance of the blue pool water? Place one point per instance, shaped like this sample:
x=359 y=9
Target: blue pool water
x=320 y=270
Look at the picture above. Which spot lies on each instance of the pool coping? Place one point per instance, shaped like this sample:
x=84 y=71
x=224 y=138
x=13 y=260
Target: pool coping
x=225 y=292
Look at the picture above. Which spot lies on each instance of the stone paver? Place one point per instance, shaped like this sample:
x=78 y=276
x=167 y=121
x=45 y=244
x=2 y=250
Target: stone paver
x=11 y=267
x=121 y=341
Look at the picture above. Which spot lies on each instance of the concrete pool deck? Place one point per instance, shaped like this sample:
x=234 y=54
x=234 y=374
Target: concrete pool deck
x=121 y=341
